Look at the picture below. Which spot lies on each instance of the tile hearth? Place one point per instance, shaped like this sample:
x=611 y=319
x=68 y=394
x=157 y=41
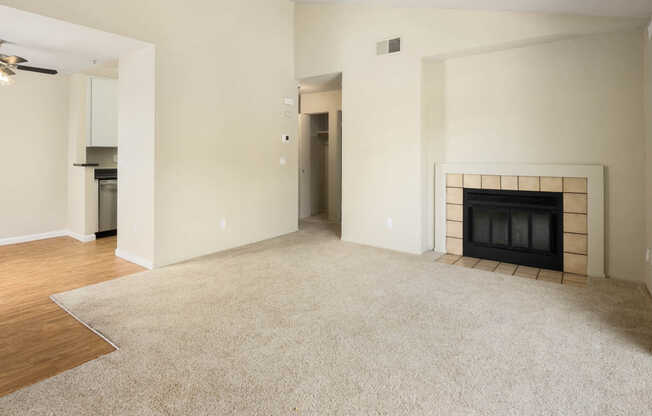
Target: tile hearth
x=515 y=270
x=575 y=212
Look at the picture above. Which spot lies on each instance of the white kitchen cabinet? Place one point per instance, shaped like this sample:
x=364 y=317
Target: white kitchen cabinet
x=102 y=120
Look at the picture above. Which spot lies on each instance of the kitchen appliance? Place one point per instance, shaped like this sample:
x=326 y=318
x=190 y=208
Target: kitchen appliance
x=107 y=182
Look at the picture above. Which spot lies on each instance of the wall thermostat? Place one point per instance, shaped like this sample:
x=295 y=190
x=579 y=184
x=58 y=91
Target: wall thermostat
x=285 y=138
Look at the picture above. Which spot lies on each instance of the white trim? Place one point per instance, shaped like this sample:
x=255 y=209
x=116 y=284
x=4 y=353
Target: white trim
x=98 y=333
x=45 y=236
x=134 y=259
x=596 y=208
x=33 y=237
x=82 y=238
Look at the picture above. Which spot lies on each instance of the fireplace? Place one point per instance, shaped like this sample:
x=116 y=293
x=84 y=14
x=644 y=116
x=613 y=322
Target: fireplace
x=518 y=227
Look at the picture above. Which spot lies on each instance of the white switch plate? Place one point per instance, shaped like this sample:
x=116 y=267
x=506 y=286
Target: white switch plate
x=283 y=161
x=648 y=254
x=390 y=223
x=223 y=223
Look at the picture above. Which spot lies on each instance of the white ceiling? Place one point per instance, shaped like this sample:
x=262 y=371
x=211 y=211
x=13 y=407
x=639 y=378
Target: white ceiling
x=321 y=83
x=51 y=43
x=618 y=8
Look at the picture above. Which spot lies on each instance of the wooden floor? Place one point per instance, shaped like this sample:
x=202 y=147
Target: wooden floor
x=37 y=338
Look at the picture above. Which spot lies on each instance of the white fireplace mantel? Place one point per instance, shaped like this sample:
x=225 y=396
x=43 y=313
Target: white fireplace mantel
x=595 y=198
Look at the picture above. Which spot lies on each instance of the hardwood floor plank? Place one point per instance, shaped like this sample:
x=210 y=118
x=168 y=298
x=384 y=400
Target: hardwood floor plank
x=37 y=338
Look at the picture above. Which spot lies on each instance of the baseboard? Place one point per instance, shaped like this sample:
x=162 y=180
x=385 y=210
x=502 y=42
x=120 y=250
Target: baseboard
x=134 y=259
x=33 y=237
x=82 y=238
x=45 y=236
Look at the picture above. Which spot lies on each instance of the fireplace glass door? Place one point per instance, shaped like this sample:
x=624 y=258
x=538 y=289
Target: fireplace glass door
x=514 y=227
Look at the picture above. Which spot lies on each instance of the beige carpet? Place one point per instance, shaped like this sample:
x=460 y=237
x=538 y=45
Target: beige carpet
x=308 y=325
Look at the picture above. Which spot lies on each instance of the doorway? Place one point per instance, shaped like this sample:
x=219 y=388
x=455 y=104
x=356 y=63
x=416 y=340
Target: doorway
x=320 y=150
x=314 y=146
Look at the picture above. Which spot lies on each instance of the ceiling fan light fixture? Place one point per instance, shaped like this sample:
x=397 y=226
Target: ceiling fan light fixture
x=5 y=78
x=10 y=63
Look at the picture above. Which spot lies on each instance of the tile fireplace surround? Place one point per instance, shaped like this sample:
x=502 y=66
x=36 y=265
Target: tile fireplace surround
x=583 y=205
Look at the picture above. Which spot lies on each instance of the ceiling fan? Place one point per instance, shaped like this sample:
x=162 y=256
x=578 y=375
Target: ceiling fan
x=10 y=64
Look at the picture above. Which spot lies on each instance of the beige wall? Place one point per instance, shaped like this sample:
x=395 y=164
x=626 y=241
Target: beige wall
x=569 y=102
x=329 y=102
x=82 y=189
x=222 y=71
x=33 y=174
x=136 y=161
x=647 y=49
x=432 y=140
x=383 y=147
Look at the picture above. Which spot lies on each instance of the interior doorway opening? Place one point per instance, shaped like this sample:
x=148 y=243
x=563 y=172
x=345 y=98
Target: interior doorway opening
x=314 y=170
x=320 y=150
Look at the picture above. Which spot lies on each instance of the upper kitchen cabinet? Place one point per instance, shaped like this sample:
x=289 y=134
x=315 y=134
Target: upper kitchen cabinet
x=103 y=111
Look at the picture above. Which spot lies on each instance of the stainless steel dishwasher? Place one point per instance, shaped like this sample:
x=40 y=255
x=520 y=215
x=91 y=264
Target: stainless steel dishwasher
x=107 y=214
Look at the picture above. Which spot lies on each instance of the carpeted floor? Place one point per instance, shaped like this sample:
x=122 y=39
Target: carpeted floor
x=308 y=325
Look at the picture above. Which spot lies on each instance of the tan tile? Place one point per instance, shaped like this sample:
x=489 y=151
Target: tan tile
x=454 y=212
x=468 y=262
x=575 y=280
x=448 y=259
x=455 y=196
x=509 y=183
x=473 y=181
x=454 y=180
x=552 y=184
x=551 y=276
x=528 y=183
x=455 y=229
x=575 y=203
x=490 y=182
x=575 y=243
x=506 y=268
x=575 y=223
x=454 y=246
x=487 y=265
x=575 y=263
x=528 y=272
x=576 y=185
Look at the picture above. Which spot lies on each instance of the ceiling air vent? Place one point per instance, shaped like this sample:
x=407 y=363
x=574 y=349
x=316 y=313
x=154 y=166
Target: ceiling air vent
x=388 y=46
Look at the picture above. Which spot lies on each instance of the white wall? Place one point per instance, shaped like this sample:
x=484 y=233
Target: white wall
x=383 y=146
x=82 y=188
x=219 y=115
x=433 y=140
x=136 y=151
x=329 y=102
x=566 y=102
x=33 y=159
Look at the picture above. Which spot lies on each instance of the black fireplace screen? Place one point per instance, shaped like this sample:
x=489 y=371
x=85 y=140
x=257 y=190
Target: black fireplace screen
x=524 y=228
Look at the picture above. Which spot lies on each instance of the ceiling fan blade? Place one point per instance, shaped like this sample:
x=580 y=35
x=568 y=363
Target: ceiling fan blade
x=35 y=69
x=7 y=71
x=13 y=60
